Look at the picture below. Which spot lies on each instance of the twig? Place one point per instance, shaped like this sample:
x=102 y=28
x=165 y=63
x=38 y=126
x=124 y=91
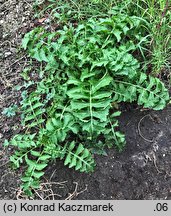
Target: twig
x=15 y=62
x=38 y=194
x=163 y=14
x=75 y=193
x=3 y=5
x=20 y=195
x=28 y=3
x=4 y=164
x=6 y=42
x=155 y=163
x=53 y=196
x=52 y=174
x=139 y=130
x=57 y=183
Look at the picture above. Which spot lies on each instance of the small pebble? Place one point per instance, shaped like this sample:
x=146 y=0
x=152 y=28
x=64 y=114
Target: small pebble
x=7 y=54
x=1 y=136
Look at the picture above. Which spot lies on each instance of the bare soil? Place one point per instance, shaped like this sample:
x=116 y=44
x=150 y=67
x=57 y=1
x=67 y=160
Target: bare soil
x=141 y=171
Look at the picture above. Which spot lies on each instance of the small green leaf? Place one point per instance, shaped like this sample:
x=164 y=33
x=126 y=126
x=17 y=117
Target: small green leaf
x=44 y=157
x=40 y=167
x=38 y=174
x=105 y=81
x=35 y=153
x=117 y=33
x=25 y=41
x=6 y=143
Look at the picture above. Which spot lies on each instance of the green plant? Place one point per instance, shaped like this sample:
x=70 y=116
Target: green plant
x=70 y=113
x=72 y=11
x=10 y=111
x=158 y=32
